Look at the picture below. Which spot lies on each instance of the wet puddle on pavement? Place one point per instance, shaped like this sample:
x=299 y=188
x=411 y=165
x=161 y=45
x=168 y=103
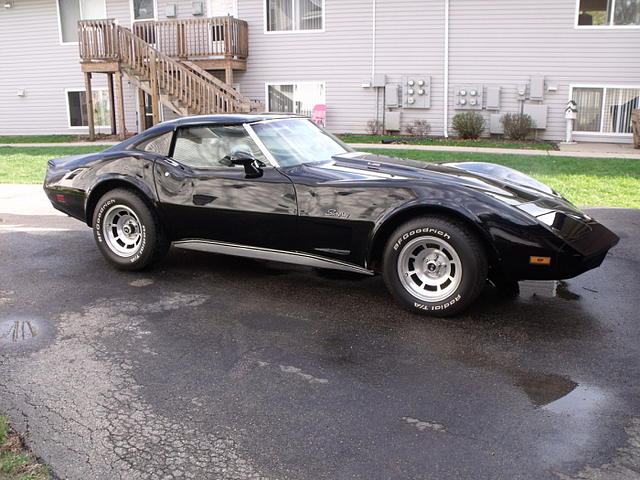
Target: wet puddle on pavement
x=24 y=333
x=543 y=388
x=18 y=331
x=559 y=394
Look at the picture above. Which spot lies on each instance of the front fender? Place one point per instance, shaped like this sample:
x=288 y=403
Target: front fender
x=494 y=222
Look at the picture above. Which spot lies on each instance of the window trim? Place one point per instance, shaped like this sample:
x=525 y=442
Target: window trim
x=611 y=25
x=289 y=32
x=155 y=13
x=292 y=82
x=66 y=98
x=604 y=87
x=62 y=42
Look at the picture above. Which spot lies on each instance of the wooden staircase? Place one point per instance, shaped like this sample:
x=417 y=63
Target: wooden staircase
x=181 y=85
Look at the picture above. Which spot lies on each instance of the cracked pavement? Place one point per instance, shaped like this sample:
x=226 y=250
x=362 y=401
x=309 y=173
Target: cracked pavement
x=212 y=367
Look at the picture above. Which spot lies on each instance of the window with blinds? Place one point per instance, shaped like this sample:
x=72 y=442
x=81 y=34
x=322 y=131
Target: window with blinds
x=294 y=15
x=609 y=13
x=299 y=98
x=605 y=109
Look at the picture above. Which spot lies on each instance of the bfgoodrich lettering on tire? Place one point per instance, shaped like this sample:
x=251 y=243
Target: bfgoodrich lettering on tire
x=435 y=265
x=127 y=231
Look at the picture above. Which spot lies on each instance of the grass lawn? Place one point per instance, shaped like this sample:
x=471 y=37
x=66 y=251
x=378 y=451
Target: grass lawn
x=15 y=462
x=39 y=138
x=28 y=164
x=481 y=142
x=594 y=182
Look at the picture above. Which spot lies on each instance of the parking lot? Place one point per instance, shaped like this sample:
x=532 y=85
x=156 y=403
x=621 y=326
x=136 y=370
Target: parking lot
x=220 y=367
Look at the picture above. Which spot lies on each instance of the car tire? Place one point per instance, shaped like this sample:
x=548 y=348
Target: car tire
x=435 y=265
x=127 y=231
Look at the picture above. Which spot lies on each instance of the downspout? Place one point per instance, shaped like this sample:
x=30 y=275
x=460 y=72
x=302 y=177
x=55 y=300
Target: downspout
x=446 y=69
x=373 y=55
x=373 y=45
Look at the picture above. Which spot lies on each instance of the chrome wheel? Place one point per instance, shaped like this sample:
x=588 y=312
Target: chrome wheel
x=429 y=268
x=122 y=231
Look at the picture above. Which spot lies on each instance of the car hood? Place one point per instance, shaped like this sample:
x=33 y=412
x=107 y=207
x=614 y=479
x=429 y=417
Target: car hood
x=504 y=183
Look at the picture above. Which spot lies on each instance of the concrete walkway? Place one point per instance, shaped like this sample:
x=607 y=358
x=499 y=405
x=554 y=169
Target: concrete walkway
x=583 y=150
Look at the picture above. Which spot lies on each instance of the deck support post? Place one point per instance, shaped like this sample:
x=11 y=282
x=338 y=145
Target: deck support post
x=155 y=93
x=142 y=111
x=120 y=106
x=228 y=73
x=89 y=102
x=112 y=104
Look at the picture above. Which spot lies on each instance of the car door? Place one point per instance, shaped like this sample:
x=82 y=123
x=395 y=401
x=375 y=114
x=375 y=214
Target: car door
x=203 y=196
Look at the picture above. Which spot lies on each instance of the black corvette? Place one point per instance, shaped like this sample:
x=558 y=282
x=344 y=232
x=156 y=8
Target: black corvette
x=278 y=187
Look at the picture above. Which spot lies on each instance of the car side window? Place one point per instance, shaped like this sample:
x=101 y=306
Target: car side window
x=159 y=145
x=208 y=146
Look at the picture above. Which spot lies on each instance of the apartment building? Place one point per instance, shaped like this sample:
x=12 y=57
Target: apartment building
x=395 y=61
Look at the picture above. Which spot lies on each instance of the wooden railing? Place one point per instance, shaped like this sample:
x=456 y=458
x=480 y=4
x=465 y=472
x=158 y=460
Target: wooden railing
x=197 y=37
x=103 y=40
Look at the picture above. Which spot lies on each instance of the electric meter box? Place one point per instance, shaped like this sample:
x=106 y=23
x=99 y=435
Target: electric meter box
x=468 y=97
x=416 y=91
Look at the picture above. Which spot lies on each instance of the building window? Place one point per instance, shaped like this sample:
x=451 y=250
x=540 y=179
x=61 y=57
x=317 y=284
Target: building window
x=299 y=97
x=77 y=108
x=70 y=12
x=144 y=9
x=605 y=109
x=294 y=15
x=608 y=12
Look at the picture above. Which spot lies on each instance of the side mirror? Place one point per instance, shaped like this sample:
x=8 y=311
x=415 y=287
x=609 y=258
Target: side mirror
x=252 y=166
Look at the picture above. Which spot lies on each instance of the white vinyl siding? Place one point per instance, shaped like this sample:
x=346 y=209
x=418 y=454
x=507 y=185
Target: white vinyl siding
x=294 y=15
x=294 y=97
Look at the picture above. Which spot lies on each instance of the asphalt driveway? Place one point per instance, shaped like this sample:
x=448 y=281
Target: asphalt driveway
x=217 y=367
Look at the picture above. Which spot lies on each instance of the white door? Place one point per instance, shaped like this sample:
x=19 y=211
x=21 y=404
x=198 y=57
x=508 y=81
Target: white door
x=220 y=8
x=92 y=9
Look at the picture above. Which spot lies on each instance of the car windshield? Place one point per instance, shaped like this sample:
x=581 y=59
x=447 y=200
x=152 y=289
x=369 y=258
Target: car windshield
x=295 y=141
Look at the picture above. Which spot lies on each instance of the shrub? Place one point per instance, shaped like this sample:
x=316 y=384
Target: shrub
x=418 y=128
x=517 y=126
x=374 y=127
x=468 y=125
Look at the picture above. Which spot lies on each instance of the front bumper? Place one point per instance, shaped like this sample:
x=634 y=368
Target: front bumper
x=580 y=246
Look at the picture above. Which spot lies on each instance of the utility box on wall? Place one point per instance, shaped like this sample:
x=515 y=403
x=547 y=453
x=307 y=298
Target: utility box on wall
x=536 y=88
x=391 y=95
x=495 y=123
x=538 y=114
x=392 y=121
x=493 y=98
x=468 y=97
x=416 y=91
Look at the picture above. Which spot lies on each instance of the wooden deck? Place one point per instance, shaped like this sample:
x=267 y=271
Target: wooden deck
x=168 y=61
